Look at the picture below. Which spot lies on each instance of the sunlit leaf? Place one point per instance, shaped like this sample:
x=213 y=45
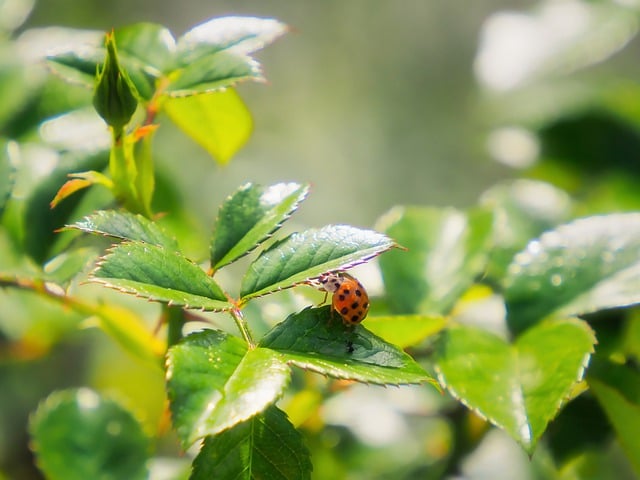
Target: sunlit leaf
x=214 y=72
x=581 y=267
x=158 y=274
x=125 y=226
x=315 y=339
x=215 y=382
x=309 y=254
x=77 y=434
x=405 y=330
x=446 y=251
x=250 y=216
x=265 y=446
x=218 y=121
x=152 y=45
x=242 y=35
x=519 y=387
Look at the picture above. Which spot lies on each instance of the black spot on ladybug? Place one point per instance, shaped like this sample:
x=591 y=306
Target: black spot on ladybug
x=344 y=310
x=354 y=318
x=355 y=305
x=358 y=293
x=346 y=291
x=341 y=297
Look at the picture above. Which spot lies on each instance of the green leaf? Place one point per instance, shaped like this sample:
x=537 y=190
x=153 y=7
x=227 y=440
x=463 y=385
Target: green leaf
x=249 y=216
x=518 y=387
x=41 y=220
x=77 y=434
x=581 y=267
x=315 y=339
x=446 y=251
x=217 y=121
x=150 y=44
x=405 y=330
x=214 y=72
x=158 y=274
x=215 y=54
x=265 y=446
x=309 y=254
x=214 y=382
x=523 y=210
x=80 y=53
x=125 y=226
x=622 y=409
x=242 y=35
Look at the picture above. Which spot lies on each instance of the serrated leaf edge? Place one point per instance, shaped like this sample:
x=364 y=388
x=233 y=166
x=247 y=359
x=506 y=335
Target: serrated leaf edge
x=105 y=282
x=305 y=187
x=562 y=400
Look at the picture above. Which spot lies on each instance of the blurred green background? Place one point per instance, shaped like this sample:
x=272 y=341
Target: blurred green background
x=376 y=103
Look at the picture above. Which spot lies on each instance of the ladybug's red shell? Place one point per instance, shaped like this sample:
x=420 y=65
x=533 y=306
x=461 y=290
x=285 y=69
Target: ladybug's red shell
x=350 y=299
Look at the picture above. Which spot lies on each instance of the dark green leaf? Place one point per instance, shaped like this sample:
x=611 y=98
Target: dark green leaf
x=215 y=382
x=40 y=219
x=309 y=254
x=159 y=274
x=249 y=216
x=315 y=339
x=446 y=251
x=79 y=435
x=265 y=446
x=218 y=121
x=620 y=398
x=521 y=387
x=581 y=267
x=125 y=226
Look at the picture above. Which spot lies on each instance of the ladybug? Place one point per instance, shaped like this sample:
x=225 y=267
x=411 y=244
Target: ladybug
x=350 y=299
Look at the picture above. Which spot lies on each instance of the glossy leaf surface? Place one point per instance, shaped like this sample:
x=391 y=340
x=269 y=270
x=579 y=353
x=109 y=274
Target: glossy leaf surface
x=250 y=216
x=215 y=382
x=125 y=226
x=158 y=274
x=581 y=267
x=309 y=254
x=519 y=387
x=316 y=340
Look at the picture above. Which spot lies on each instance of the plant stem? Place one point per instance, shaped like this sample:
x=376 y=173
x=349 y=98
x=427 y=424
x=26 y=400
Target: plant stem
x=236 y=313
